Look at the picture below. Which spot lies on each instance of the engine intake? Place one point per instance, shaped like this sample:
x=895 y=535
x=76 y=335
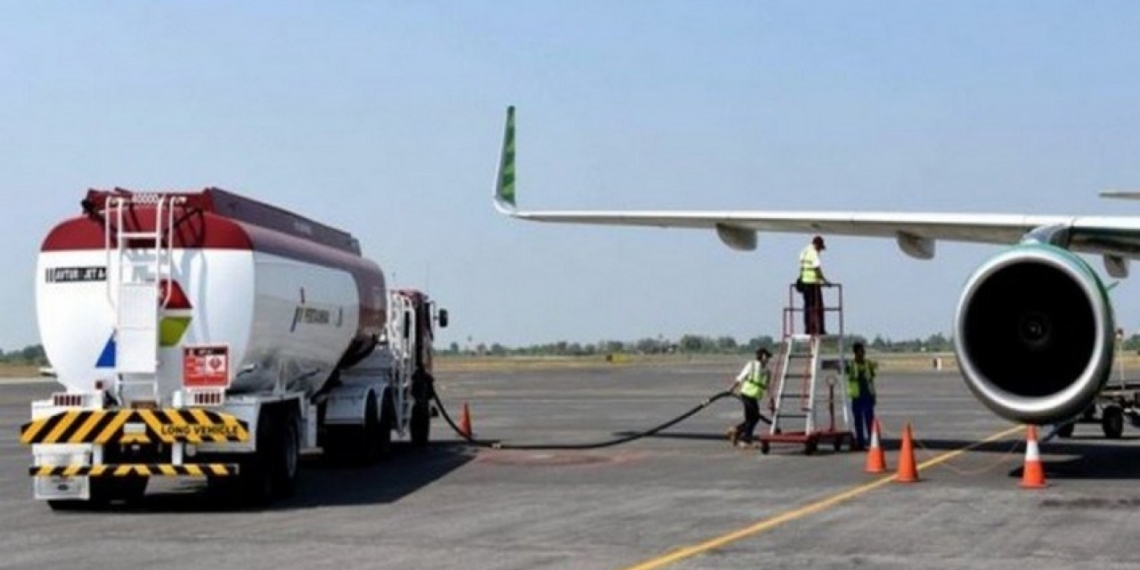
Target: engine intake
x=1033 y=334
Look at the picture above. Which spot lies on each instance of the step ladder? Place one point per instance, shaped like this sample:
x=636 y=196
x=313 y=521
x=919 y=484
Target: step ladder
x=809 y=387
x=139 y=268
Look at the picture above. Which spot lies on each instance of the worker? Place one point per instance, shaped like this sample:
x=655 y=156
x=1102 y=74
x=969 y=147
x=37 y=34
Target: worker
x=810 y=283
x=861 y=389
x=751 y=383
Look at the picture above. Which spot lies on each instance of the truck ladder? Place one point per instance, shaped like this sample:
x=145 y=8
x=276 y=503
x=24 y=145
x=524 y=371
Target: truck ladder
x=810 y=374
x=139 y=268
x=400 y=334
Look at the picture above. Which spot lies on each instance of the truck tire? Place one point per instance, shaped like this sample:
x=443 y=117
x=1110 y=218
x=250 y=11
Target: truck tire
x=253 y=485
x=271 y=471
x=286 y=458
x=124 y=489
x=68 y=505
x=1112 y=422
x=420 y=425
x=366 y=437
x=337 y=446
x=359 y=445
x=382 y=437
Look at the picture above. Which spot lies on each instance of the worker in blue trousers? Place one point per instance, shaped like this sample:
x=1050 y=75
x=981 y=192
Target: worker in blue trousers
x=861 y=389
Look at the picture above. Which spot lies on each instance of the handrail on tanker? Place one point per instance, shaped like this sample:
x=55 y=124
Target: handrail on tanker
x=163 y=238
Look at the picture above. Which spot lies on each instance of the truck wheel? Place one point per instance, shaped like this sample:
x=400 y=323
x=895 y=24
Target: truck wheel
x=420 y=426
x=382 y=438
x=357 y=445
x=107 y=490
x=1113 y=422
x=271 y=471
x=67 y=505
x=285 y=459
x=368 y=439
x=253 y=485
x=125 y=489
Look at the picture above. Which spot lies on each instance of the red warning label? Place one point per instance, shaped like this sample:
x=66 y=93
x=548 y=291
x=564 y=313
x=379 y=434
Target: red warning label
x=206 y=367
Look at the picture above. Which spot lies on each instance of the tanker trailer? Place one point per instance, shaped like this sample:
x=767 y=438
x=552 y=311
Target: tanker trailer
x=209 y=335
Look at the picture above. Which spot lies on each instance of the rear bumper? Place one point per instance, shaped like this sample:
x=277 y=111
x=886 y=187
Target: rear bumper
x=137 y=470
x=170 y=425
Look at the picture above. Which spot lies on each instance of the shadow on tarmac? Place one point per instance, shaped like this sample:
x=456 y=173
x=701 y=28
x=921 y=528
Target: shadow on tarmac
x=405 y=470
x=1080 y=457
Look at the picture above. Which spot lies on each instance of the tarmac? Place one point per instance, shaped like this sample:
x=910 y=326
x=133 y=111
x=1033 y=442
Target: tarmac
x=683 y=499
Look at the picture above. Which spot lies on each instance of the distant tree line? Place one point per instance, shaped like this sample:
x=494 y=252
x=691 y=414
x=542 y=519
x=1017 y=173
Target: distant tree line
x=687 y=344
x=29 y=355
x=694 y=344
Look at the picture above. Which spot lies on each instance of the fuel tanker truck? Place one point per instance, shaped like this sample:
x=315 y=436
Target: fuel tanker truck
x=209 y=335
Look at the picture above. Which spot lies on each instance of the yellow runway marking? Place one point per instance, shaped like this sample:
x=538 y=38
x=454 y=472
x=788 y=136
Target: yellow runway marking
x=789 y=516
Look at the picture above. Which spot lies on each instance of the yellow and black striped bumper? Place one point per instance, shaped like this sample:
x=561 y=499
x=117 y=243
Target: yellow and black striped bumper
x=169 y=425
x=136 y=470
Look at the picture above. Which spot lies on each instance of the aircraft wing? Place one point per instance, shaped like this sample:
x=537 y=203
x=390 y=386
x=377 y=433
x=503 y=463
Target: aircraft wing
x=1115 y=237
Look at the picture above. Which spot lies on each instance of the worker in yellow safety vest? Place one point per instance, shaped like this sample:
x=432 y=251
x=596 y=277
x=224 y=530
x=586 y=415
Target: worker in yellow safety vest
x=809 y=282
x=751 y=382
x=861 y=389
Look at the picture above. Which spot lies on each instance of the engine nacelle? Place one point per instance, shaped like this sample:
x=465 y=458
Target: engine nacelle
x=1034 y=334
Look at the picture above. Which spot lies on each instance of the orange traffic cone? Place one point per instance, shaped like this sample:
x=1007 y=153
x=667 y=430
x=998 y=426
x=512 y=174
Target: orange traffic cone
x=876 y=461
x=465 y=422
x=908 y=472
x=1033 y=474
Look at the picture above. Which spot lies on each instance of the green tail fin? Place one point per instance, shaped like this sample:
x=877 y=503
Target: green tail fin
x=505 y=183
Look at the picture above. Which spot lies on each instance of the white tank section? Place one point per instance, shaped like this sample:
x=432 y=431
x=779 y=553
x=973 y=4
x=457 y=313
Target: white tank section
x=276 y=323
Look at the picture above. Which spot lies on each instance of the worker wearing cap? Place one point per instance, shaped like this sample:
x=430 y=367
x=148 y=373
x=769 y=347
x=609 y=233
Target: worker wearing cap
x=811 y=281
x=861 y=389
x=752 y=382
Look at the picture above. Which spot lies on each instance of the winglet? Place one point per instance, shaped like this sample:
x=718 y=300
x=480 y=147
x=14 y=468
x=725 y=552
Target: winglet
x=505 y=181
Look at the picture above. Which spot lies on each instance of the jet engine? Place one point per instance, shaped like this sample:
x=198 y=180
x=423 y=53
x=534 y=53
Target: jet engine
x=1034 y=334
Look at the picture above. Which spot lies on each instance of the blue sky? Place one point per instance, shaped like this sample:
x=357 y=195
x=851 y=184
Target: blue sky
x=384 y=118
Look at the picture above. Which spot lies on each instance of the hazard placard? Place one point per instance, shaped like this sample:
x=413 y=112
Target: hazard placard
x=206 y=366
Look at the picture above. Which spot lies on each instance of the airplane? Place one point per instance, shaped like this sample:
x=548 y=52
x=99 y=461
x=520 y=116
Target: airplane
x=1034 y=330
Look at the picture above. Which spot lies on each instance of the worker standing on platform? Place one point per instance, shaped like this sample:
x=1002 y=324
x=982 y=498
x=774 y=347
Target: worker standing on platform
x=861 y=389
x=752 y=382
x=811 y=282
